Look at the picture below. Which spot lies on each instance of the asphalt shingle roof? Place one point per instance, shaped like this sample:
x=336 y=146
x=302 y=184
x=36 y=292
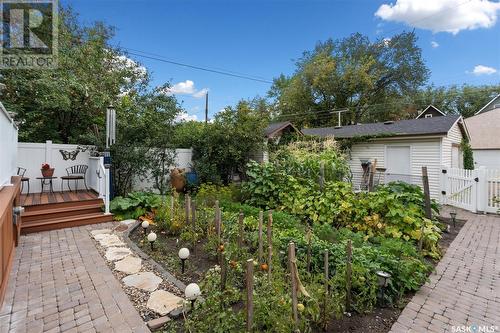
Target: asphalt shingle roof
x=274 y=127
x=422 y=126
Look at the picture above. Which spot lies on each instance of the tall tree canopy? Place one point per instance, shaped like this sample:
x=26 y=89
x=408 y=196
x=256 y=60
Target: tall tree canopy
x=465 y=100
x=351 y=73
x=64 y=104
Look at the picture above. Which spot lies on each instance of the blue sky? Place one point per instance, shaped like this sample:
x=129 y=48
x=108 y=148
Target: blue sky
x=460 y=39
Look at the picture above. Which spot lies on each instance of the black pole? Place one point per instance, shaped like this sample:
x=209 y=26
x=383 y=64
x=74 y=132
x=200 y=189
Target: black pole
x=183 y=260
x=206 y=108
x=152 y=246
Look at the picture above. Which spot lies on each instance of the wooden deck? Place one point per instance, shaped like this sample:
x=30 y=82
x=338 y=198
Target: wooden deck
x=48 y=211
x=57 y=197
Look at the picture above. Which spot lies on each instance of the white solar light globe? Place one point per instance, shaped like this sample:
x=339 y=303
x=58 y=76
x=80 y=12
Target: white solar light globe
x=151 y=237
x=145 y=224
x=192 y=291
x=184 y=253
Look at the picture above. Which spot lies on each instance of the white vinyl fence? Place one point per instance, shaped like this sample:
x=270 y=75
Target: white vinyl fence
x=474 y=190
x=8 y=147
x=183 y=160
x=31 y=156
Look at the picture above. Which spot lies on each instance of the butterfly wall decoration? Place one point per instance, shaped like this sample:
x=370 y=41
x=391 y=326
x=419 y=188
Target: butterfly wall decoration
x=69 y=155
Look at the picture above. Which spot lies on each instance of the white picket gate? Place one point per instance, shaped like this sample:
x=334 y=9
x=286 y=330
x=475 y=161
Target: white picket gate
x=473 y=190
x=492 y=190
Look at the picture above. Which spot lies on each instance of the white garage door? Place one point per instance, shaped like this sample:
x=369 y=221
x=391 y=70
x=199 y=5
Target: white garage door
x=398 y=164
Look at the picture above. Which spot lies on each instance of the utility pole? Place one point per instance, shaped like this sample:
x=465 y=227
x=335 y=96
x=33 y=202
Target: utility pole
x=338 y=114
x=206 y=108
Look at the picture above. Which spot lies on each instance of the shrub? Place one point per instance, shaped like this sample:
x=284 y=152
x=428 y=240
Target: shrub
x=134 y=205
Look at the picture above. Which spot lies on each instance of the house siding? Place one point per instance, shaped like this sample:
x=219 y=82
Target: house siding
x=454 y=137
x=423 y=152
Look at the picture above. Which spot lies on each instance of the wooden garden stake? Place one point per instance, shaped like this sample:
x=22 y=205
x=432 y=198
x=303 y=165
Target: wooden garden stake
x=321 y=175
x=269 y=262
x=325 y=300
x=171 y=207
x=240 y=227
x=348 y=276
x=249 y=280
x=188 y=208
x=421 y=240
x=217 y=221
x=193 y=224
x=427 y=195
x=373 y=167
x=269 y=243
x=223 y=273
x=309 y=240
x=291 y=259
x=269 y=229
x=261 y=221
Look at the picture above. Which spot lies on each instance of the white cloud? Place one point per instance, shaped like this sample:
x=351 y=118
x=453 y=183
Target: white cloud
x=182 y=88
x=434 y=44
x=200 y=93
x=442 y=15
x=186 y=117
x=483 y=70
x=122 y=61
x=186 y=88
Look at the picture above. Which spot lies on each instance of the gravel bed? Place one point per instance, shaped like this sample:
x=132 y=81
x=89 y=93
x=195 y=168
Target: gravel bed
x=139 y=297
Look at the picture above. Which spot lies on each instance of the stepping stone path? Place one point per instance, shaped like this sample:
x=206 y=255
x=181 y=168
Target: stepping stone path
x=160 y=301
x=163 y=302
x=117 y=253
x=108 y=240
x=129 y=265
x=144 y=280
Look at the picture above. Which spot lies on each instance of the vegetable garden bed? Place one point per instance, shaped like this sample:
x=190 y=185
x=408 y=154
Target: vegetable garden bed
x=300 y=254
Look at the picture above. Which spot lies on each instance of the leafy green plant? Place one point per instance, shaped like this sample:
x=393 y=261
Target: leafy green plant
x=134 y=205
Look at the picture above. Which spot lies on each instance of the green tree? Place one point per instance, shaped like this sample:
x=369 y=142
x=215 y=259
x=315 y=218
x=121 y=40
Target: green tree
x=223 y=148
x=351 y=73
x=465 y=100
x=144 y=147
x=66 y=103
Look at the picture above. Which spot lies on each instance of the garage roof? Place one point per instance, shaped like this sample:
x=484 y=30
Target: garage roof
x=422 y=126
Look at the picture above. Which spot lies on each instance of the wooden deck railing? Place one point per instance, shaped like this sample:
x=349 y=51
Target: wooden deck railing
x=9 y=233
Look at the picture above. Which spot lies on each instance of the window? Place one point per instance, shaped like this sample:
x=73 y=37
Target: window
x=428 y=116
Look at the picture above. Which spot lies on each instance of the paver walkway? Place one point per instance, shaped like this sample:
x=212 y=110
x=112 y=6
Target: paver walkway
x=464 y=293
x=60 y=283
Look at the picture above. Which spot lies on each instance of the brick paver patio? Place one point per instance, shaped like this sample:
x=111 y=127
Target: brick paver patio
x=60 y=283
x=464 y=293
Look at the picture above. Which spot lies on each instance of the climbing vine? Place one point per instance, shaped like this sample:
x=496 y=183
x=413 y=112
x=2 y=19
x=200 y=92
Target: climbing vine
x=467 y=154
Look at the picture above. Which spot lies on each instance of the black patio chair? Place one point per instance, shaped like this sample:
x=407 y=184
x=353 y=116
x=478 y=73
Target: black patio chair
x=75 y=172
x=21 y=172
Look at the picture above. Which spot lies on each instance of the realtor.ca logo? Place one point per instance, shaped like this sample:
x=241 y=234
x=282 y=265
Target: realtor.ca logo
x=474 y=329
x=29 y=34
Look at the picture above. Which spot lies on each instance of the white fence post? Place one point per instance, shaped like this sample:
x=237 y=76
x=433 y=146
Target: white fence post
x=474 y=188
x=444 y=184
x=48 y=152
x=105 y=173
x=482 y=190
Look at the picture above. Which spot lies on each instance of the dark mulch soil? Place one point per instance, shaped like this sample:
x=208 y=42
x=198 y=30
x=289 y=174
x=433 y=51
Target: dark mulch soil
x=166 y=253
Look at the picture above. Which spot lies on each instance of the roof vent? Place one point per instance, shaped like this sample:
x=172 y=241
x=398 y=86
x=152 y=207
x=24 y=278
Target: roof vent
x=337 y=127
x=388 y=122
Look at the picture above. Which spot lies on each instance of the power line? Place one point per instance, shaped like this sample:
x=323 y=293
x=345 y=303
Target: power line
x=211 y=70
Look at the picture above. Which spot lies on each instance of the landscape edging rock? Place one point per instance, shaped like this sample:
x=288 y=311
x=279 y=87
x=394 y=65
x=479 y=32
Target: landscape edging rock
x=167 y=275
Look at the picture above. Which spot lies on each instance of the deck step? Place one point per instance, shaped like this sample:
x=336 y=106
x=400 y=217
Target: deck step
x=64 y=222
x=62 y=205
